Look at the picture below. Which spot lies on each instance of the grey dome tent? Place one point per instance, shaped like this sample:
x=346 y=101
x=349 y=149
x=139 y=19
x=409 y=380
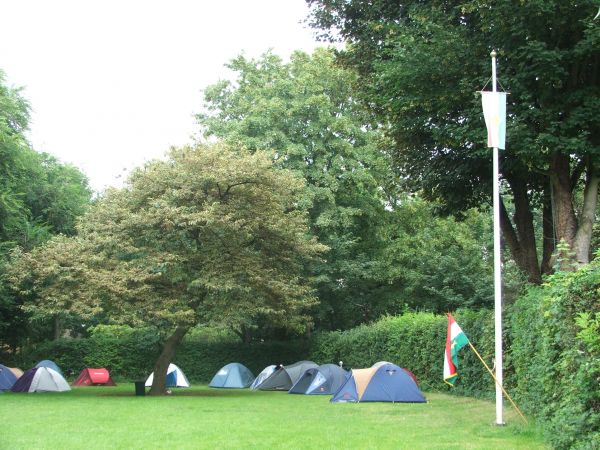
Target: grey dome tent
x=286 y=376
x=50 y=365
x=325 y=379
x=233 y=375
x=41 y=379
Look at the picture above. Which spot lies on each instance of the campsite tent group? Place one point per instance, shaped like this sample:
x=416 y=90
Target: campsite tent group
x=46 y=376
x=383 y=382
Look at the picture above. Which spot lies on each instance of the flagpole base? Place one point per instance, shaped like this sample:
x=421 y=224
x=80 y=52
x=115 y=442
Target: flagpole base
x=502 y=424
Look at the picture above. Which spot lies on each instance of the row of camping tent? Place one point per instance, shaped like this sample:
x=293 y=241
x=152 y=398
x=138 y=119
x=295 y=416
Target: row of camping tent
x=46 y=376
x=382 y=382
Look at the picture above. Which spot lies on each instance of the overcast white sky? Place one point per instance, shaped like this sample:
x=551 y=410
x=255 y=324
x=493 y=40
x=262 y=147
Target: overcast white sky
x=115 y=83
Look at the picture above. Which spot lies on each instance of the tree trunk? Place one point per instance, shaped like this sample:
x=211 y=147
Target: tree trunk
x=523 y=219
x=57 y=327
x=165 y=358
x=565 y=221
x=548 y=243
x=244 y=333
x=583 y=237
x=521 y=243
x=510 y=236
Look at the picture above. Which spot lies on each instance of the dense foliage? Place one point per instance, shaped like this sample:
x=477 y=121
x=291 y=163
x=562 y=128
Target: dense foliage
x=39 y=197
x=556 y=356
x=420 y=65
x=304 y=112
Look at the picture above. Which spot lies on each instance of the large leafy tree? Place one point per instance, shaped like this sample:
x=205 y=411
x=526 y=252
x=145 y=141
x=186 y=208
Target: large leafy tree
x=420 y=63
x=305 y=112
x=435 y=263
x=39 y=197
x=208 y=236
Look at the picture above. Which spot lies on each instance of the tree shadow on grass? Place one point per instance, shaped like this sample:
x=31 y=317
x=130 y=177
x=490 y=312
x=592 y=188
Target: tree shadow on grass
x=186 y=393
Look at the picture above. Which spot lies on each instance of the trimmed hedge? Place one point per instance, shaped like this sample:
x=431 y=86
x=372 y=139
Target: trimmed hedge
x=556 y=356
x=130 y=354
x=127 y=353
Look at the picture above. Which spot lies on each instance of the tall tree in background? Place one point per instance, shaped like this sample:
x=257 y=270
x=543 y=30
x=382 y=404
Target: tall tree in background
x=39 y=197
x=419 y=65
x=304 y=111
x=207 y=236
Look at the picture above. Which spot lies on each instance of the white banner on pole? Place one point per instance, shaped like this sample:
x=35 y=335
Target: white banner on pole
x=494 y=112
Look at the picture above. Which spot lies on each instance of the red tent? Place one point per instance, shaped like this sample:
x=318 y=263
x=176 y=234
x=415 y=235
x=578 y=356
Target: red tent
x=94 y=377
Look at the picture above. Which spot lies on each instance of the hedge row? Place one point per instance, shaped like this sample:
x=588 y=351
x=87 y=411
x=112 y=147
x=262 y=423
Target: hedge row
x=556 y=356
x=130 y=354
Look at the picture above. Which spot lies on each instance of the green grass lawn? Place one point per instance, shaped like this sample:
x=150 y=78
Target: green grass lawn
x=98 y=418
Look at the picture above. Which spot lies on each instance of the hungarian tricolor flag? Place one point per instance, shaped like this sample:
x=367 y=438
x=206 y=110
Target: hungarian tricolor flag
x=455 y=340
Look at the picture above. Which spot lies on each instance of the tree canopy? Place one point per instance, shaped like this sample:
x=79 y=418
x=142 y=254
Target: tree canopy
x=420 y=64
x=305 y=113
x=39 y=197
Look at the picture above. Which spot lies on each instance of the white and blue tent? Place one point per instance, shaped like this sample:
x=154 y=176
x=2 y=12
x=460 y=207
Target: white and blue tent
x=41 y=379
x=266 y=373
x=175 y=377
x=233 y=375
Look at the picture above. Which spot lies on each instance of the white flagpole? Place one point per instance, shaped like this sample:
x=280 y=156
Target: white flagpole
x=497 y=272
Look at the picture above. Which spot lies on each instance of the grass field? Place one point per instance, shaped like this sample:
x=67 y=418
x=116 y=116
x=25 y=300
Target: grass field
x=113 y=418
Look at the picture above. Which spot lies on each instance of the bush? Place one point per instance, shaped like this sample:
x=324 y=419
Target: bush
x=126 y=352
x=556 y=356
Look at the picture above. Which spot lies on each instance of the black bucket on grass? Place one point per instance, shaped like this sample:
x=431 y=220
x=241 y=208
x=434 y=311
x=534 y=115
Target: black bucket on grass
x=140 y=388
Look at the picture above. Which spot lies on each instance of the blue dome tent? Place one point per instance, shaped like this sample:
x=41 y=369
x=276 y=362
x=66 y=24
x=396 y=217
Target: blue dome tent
x=50 y=365
x=234 y=376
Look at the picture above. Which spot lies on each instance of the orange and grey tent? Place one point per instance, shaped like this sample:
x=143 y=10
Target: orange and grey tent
x=384 y=382
x=94 y=377
x=18 y=372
